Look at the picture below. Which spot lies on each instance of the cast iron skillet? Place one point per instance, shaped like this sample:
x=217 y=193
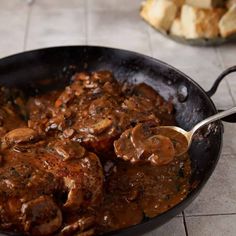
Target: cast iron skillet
x=44 y=69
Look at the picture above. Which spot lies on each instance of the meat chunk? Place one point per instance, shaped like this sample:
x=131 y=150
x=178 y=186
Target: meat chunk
x=80 y=225
x=22 y=182
x=95 y=109
x=68 y=150
x=38 y=186
x=86 y=109
x=41 y=216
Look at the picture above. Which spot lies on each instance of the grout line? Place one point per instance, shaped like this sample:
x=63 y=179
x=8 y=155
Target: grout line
x=180 y=215
x=27 y=26
x=228 y=154
x=230 y=91
x=86 y=20
x=185 y=224
x=224 y=153
x=219 y=57
x=223 y=67
x=220 y=214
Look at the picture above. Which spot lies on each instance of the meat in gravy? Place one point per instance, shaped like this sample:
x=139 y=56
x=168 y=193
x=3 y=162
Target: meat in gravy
x=88 y=159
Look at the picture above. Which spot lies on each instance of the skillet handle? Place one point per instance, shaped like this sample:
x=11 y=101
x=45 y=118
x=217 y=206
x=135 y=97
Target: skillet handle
x=230 y=118
x=214 y=87
x=211 y=92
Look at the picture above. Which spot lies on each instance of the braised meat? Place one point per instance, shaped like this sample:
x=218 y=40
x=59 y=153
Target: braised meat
x=88 y=159
x=95 y=109
x=41 y=179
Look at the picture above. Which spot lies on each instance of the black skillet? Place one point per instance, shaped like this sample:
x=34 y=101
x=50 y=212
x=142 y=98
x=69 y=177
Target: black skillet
x=44 y=69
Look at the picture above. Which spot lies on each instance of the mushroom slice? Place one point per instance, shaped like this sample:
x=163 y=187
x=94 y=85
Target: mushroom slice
x=75 y=195
x=100 y=126
x=68 y=150
x=141 y=144
x=78 y=226
x=139 y=137
x=41 y=216
x=102 y=76
x=19 y=136
x=160 y=150
x=66 y=96
x=156 y=148
x=178 y=140
x=124 y=147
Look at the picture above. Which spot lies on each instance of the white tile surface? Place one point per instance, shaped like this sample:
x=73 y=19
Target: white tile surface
x=180 y=55
x=113 y=29
x=212 y=225
x=229 y=144
x=114 y=5
x=60 y=4
x=224 y=98
x=12 y=31
x=219 y=194
x=13 y=5
x=205 y=76
x=175 y=227
x=228 y=54
x=52 y=27
x=231 y=79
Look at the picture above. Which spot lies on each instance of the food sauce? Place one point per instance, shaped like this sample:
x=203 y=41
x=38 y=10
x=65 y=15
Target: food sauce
x=84 y=161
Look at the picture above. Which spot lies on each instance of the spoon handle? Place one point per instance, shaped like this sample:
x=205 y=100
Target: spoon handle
x=213 y=118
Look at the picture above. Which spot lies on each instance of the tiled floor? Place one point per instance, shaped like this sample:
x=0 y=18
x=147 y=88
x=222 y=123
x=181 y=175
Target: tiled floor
x=117 y=24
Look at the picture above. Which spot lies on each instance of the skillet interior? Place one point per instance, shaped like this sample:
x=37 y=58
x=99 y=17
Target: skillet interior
x=51 y=68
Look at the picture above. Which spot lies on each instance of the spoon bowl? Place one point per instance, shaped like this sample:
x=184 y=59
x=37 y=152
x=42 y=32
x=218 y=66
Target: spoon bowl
x=179 y=137
x=182 y=139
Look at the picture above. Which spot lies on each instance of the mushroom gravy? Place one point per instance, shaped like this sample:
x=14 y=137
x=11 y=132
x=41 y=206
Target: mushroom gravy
x=85 y=160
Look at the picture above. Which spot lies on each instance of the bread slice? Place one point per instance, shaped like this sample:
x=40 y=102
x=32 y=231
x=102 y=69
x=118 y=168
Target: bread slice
x=159 y=13
x=176 y=28
x=200 y=23
x=227 y=23
x=207 y=4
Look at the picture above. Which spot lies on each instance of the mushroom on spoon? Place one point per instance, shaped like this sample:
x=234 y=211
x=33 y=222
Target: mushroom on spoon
x=188 y=135
x=161 y=144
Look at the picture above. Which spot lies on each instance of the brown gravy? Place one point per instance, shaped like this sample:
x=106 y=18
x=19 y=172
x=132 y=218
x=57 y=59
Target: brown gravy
x=59 y=173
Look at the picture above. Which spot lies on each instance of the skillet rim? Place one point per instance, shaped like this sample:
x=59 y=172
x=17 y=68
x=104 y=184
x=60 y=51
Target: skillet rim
x=193 y=193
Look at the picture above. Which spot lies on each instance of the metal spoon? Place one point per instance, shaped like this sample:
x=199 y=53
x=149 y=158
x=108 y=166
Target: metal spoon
x=182 y=138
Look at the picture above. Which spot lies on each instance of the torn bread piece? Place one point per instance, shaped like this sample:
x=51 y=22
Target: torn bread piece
x=159 y=13
x=176 y=28
x=207 y=4
x=227 y=23
x=200 y=23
